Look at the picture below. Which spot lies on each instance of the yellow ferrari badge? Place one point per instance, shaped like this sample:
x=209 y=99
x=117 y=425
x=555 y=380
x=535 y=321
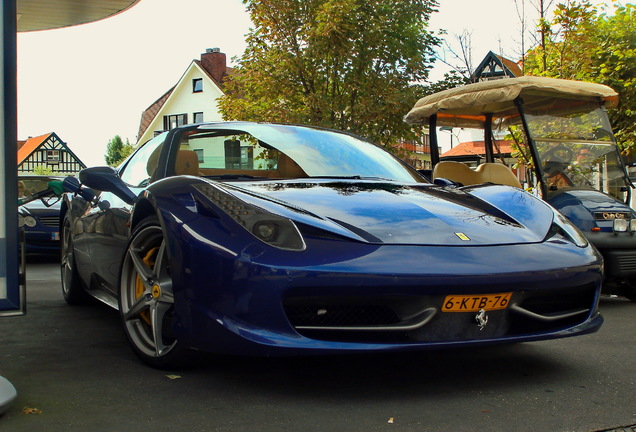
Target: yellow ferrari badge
x=463 y=236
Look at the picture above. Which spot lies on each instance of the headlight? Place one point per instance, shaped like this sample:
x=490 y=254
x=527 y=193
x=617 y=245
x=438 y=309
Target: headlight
x=269 y=228
x=21 y=221
x=30 y=221
x=567 y=229
x=621 y=225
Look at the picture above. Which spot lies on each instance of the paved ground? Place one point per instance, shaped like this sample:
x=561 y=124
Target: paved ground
x=74 y=372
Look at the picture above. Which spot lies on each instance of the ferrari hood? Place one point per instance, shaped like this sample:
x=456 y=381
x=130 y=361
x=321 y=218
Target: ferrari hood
x=392 y=213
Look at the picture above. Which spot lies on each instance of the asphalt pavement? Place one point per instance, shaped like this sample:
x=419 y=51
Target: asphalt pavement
x=74 y=371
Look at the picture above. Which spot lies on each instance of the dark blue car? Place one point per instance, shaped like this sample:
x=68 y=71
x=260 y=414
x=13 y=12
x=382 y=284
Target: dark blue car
x=40 y=219
x=268 y=239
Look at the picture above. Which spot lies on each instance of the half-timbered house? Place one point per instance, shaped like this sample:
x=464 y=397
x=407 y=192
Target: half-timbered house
x=494 y=66
x=50 y=152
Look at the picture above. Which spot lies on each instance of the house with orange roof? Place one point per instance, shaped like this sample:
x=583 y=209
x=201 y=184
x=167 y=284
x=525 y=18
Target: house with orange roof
x=474 y=151
x=192 y=100
x=47 y=151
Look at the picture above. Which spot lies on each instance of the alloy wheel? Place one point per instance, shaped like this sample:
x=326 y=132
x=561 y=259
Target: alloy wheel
x=146 y=298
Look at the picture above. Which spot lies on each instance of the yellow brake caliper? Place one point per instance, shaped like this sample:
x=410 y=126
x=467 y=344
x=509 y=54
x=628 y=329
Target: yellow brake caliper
x=149 y=260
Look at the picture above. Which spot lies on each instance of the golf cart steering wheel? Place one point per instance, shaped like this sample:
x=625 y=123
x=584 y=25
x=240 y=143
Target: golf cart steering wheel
x=559 y=153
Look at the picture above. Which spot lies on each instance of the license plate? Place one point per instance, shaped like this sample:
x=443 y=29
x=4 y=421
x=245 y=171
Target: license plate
x=55 y=236
x=475 y=303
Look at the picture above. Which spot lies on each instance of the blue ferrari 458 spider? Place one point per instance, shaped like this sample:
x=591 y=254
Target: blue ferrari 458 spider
x=248 y=238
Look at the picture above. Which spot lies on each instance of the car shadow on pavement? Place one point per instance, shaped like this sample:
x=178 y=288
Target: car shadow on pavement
x=397 y=377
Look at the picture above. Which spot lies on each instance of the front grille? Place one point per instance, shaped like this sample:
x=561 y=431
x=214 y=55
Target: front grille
x=50 y=221
x=359 y=319
x=612 y=215
x=551 y=303
x=620 y=262
x=404 y=319
x=627 y=263
x=341 y=315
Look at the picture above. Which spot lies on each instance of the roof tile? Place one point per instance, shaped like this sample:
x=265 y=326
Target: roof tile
x=30 y=145
x=478 y=148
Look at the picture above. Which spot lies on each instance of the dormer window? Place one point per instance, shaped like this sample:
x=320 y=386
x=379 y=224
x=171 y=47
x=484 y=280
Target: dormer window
x=197 y=85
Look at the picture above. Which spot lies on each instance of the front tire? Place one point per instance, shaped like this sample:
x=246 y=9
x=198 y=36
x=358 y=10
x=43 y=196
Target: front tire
x=146 y=300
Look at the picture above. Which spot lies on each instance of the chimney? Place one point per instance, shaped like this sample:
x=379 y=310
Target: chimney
x=214 y=61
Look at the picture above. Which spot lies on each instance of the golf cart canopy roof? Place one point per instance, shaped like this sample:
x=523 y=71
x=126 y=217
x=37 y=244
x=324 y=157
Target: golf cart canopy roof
x=467 y=106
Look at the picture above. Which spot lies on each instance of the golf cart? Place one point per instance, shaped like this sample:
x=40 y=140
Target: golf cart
x=566 y=145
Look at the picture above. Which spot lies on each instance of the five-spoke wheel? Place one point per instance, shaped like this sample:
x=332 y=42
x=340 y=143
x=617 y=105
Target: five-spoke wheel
x=146 y=300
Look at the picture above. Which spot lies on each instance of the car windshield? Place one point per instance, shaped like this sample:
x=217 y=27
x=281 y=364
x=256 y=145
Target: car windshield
x=283 y=151
x=30 y=185
x=577 y=150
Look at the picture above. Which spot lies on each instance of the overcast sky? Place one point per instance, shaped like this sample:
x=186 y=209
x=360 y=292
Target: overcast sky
x=91 y=82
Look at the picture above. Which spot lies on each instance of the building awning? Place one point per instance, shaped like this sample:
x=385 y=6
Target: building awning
x=49 y=14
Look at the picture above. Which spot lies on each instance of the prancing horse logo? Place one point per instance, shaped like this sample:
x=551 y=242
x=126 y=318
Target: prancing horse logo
x=482 y=319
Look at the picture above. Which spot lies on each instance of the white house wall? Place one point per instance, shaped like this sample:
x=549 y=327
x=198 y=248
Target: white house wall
x=184 y=101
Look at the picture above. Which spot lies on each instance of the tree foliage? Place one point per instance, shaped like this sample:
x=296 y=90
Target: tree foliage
x=117 y=151
x=42 y=170
x=586 y=45
x=345 y=64
x=616 y=58
x=452 y=79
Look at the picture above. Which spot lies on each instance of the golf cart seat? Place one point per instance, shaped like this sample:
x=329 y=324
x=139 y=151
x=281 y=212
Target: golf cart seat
x=485 y=173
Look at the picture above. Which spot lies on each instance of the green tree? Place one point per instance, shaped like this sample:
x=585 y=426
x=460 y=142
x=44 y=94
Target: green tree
x=42 y=170
x=567 y=42
x=346 y=64
x=615 y=56
x=588 y=46
x=117 y=151
x=452 y=79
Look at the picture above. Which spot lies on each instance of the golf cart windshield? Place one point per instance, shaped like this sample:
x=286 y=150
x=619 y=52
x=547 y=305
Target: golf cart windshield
x=577 y=151
x=568 y=141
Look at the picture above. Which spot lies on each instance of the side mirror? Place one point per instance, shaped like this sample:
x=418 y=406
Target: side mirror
x=72 y=184
x=105 y=178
